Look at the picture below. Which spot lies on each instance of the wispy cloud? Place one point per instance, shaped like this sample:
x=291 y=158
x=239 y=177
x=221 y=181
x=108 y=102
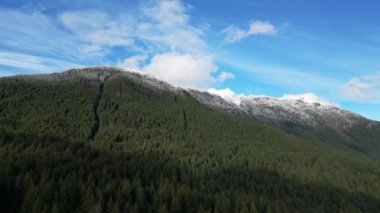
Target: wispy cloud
x=167 y=23
x=285 y=77
x=32 y=41
x=98 y=30
x=35 y=33
x=36 y=63
x=162 y=25
x=235 y=34
x=133 y=63
x=362 y=89
x=223 y=76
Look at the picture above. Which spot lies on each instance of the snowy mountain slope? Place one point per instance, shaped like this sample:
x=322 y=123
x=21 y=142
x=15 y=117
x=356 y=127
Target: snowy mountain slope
x=319 y=121
x=269 y=110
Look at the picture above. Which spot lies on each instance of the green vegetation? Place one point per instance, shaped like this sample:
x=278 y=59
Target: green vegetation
x=161 y=151
x=358 y=140
x=61 y=108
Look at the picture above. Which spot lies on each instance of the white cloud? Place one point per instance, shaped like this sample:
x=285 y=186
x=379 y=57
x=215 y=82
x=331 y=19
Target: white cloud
x=33 y=62
x=182 y=59
x=167 y=13
x=98 y=30
x=175 y=49
x=285 y=77
x=234 y=34
x=32 y=42
x=223 y=76
x=184 y=70
x=133 y=63
x=263 y=28
x=363 y=89
x=160 y=33
x=92 y=49
x=226 y=94
x=35 y=33
x=167 y=23
x=161 y=25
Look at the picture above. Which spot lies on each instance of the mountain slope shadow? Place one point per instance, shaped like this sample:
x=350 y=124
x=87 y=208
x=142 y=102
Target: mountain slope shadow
x=49 y=174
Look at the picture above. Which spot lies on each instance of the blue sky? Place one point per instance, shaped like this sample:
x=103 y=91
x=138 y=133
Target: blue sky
x=323 y=50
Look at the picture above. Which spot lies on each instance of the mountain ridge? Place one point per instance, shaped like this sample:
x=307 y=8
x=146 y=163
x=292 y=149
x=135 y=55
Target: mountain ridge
x=325 y=123
x=96 y=71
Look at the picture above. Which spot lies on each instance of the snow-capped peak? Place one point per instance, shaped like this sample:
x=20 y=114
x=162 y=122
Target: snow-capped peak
x=306 y=109
x=307 y=98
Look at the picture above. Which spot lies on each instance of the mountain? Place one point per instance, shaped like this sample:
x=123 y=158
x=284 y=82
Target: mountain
x=323 y=122
x=106 y=140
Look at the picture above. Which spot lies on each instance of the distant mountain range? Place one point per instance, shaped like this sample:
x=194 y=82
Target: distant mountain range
x=102 y=139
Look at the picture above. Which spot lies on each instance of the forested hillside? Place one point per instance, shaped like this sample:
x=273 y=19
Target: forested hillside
x=102 y=140
x=324 y=123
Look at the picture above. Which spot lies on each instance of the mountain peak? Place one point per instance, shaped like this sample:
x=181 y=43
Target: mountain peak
x=99 y=72
x=308 y=98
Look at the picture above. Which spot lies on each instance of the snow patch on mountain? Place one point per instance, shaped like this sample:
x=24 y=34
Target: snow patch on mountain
x=304 y=109
x=307 y=98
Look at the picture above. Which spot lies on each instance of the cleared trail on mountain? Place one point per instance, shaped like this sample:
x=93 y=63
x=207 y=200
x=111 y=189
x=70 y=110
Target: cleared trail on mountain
x=95 y=127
